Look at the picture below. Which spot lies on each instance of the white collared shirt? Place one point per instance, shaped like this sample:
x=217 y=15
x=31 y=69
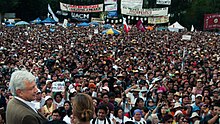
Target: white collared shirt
x=30 y=104
x=98 y=121
x=142 y=121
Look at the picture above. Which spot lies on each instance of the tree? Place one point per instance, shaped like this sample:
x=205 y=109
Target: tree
x=30 y=9
x=195 y=14
x=7 y=6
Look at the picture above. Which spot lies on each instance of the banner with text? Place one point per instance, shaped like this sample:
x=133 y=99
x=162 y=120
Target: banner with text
x=58 y=86
x=132 y=4
x=158 y=20
x=112 y=7
x=80 y=16
x=80 y=8
x=144 y=12
x=97 y=20
x=110 y=1
x=112 y=14
x=164 y=2
x=211 y=21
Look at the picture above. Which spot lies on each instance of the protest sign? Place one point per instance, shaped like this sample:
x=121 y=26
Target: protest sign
x=58 y=86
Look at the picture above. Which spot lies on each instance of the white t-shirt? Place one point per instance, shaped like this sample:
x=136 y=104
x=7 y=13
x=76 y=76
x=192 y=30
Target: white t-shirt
x=142 y=121
x=67 y=119
x=97 y=121
x=120 y=120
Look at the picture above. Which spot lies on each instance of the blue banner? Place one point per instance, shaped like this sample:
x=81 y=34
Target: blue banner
x=112 y=14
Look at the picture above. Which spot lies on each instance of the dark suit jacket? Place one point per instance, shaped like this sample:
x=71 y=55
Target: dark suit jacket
x=2 y=103
x=19 y=113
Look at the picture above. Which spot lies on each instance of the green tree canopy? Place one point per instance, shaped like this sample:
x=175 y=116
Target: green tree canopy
x=8 y=5
x=195 y=13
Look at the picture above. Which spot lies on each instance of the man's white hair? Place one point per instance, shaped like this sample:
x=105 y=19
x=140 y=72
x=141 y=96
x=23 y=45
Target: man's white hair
x=18 y=79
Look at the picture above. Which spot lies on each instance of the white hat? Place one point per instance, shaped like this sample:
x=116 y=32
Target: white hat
x=120 y=75
x=177 y=105
x=48 y=97
x=197 y=122
x=72 y=90
x=155 y=80
x=178 y=112
x=198 y=95
x=70 y=86
x=84 y=89
x=194 y=114
x=47 y=81
x=105 y=88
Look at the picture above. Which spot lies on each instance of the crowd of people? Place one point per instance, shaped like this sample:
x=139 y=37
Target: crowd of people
x=137 y=77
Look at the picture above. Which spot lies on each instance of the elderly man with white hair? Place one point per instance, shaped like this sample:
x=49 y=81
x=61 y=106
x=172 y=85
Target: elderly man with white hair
x=20 y=110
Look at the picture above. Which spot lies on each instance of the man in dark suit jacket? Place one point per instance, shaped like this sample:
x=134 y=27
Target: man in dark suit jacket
x=2 y=102
x=20 y=110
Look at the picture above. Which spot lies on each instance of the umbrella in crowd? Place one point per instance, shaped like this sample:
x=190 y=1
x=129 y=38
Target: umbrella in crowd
x=21 y=23
x=94 y=23
x=10 y=25
x=107 y=26
x=111 y=31
x=48 y=20
x=36 y=21
x=84 y=24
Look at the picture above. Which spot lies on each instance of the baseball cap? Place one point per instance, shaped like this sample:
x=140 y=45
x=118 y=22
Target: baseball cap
x=198 y=95
x=92 y=85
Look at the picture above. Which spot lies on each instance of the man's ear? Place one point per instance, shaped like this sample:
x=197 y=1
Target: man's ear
x=18 y=92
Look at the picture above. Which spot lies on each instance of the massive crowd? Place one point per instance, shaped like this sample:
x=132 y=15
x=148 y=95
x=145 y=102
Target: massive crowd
x=142 y=77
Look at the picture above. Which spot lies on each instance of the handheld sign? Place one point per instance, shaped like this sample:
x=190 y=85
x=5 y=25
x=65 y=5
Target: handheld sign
x=186 y=37
x=58 y=86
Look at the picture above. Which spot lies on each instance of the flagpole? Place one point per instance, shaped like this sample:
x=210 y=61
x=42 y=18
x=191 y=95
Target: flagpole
x=184 y=51
x=124 y=95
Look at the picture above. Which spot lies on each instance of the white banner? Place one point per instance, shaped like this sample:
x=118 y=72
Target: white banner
x=112 y=7
x=81 y=8
x=132 y=4
x=110 y=1
x=96 y=31
x=186 y=37
x=158 y=19
x=164 y=2
x=97 y=20
x=144 y=12
x=58 y=86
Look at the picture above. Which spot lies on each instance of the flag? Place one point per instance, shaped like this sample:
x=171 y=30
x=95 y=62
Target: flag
x=48 y=15
x=184 y=52
x=126 y=27
x=53 y=15
x=65 y=22
x=140 y=26
x=192 y=28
